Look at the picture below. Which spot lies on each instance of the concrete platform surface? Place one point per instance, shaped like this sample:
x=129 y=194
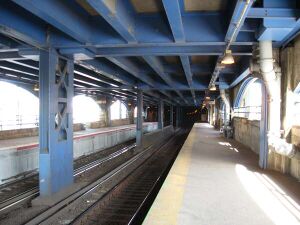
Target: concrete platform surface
x=217 y=181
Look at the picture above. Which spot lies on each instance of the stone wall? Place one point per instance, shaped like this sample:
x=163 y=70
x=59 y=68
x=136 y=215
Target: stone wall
x=97 y=124
x=120 y=122
x=247 y=132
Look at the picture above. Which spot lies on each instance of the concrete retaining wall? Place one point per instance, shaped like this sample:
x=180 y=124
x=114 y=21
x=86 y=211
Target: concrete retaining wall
x=157 y=136
x=247 y=132
x=20 y=159
x=29 y=132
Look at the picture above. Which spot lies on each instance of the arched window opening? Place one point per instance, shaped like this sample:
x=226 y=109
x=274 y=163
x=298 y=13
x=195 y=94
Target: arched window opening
x=118 y=111
x=248 y=104
x=135 y=112
x=144 y=113
x=204 y=114
x=18 y=107
x=296 y=119
x=222 y=111
x=85 y=109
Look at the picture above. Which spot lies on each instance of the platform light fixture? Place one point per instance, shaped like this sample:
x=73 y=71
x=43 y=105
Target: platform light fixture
x=228 y=58
x=36 y=87
x=213 y=88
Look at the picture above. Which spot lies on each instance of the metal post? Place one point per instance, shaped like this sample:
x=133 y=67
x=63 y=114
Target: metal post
x=108 y=114
x=131 y=113
x=146 y=113
x=160 y=114
x=171 y=115
x=177 y=116
x=139 y=121
x=55 y=122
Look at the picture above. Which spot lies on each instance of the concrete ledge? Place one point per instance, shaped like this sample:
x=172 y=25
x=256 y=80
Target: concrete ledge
x=30 y=132
x=15 y=160
x=157 y=136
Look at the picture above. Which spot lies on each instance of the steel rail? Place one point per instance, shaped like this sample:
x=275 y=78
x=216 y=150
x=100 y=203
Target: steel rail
x=28 y=194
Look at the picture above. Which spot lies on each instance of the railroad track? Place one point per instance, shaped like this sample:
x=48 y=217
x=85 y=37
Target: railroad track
x=129 y=201
x=121 y=195
x=29 y=185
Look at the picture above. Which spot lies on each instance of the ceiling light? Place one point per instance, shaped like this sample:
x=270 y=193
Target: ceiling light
x=36 y=87
x=228 y=59
x=213 y=88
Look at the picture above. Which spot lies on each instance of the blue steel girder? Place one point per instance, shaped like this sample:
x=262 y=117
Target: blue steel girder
x=100 y=66
x=132 y=27
x=16 y=25
x=32 y=69
x=274 y=13
x=188 y=74
x=204 y=68
x=131 y=68
x=78 y=70
x=280 y=21
x=128 y=66
x=172 y=9
x=59 y=15
x=127 y=33
x=117 y=15
x=147 y=88
x=157 y=66
x=81 y=31
x=208 y=49
x=119 y=75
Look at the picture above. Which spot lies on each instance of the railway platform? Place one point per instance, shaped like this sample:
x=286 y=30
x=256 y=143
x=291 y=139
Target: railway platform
x=217 y=181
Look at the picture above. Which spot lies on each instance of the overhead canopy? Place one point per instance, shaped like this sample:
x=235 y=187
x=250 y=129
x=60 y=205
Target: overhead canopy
x=171 y=49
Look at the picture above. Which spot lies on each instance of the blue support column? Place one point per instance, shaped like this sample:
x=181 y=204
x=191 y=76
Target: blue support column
x=56 y=122
x=139 y=119
x=171 y=115
x=160 y=112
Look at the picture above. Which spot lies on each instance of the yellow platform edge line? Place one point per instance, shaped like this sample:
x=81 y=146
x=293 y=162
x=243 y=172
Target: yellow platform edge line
x=168 y=202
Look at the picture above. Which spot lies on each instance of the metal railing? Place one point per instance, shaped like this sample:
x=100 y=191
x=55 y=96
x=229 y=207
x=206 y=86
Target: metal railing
x=249 y=112
x=21 y=121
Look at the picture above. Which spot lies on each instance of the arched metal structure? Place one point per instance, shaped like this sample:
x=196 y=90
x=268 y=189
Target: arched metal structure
x=263 y=146
x=243 y=89
x=14 y=110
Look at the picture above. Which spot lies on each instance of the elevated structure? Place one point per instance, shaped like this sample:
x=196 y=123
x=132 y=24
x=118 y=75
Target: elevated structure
x=160 y=52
